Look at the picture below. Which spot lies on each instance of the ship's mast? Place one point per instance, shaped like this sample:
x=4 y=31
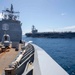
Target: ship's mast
x=10 y=13
x=34 y=30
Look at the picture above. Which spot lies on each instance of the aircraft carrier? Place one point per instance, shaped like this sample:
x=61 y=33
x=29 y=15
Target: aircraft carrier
x=35 y=33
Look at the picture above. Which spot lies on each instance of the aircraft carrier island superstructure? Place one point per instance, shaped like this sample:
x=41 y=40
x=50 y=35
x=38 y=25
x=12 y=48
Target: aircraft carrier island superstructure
x=22 y=58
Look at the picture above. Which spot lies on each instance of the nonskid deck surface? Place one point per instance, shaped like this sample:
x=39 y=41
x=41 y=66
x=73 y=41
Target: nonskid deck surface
x=7 y=57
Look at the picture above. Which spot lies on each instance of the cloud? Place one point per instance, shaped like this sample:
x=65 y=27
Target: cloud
x=23 y=32
x=62 y=14
x=1 y=16
x=66 y=29
x=70 y=27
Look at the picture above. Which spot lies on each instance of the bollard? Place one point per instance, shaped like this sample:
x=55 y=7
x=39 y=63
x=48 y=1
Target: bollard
x=10 y=71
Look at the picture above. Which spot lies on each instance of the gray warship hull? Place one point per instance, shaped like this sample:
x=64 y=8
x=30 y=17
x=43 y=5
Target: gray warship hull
x=51 y=35
x=38 y=62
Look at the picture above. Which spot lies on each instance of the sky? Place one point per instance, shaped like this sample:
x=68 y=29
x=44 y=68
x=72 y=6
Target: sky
x=45 y=15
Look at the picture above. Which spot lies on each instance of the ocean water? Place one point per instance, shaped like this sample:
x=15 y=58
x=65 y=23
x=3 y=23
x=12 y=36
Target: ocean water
x=61 y=50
